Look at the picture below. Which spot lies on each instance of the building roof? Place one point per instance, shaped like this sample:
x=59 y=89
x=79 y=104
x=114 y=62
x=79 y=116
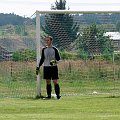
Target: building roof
x=113 y=35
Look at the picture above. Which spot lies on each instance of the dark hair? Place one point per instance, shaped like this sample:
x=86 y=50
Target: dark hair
x=50 y=38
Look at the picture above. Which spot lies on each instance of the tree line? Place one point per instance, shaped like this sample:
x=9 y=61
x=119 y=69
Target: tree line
x=84 y=18
x=12 y=19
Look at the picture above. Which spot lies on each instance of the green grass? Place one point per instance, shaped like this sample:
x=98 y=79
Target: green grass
x=83 y=82
x=95 y=107
x=23 y=89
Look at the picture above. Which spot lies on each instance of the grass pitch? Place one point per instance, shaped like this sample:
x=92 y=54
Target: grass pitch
x=94 y=107
x=84 y=82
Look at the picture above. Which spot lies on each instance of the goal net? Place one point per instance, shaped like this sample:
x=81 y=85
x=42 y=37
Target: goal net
x=89 y=46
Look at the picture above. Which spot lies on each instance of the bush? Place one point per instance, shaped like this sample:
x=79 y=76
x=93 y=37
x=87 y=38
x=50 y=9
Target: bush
x=24 y=55
x=117 y=58
x=67 y=55
x=82 y=54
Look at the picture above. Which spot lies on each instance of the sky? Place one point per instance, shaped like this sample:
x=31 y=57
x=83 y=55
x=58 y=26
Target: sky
x=28 y=7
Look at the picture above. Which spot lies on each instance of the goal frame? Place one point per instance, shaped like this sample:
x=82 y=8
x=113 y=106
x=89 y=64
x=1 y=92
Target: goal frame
x=38 y=38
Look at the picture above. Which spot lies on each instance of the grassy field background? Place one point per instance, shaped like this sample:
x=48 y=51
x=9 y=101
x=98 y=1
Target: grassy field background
x=18 y=79
x=90 y=91
x=95 y=107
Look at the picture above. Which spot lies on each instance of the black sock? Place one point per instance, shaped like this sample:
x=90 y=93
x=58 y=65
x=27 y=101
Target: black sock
x=57 y=90
x=49 y=89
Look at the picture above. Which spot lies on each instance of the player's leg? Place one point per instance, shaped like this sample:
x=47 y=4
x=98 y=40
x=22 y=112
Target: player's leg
x=55 y=81
x=57 y=88
x=48 y=88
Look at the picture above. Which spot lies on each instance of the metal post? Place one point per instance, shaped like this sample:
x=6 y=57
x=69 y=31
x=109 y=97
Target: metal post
x=114 y=65
x=38 y=50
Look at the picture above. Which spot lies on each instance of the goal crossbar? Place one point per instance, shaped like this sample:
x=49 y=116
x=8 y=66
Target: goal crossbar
x=73 y=12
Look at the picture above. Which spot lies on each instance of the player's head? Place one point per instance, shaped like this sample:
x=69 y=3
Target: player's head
x=49 y=40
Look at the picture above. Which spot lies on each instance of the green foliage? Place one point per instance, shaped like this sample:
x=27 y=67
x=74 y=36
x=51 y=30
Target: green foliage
x=11 y=19
x=67 y=55
x=61 y=5
x=61 y=27
x=24 y=55
x=110 y=19
x=117 y=58
x=107 y=55
x=20 y=30
x=118 y=26
x=65 y=24
x=82 y=54
x=93 y=41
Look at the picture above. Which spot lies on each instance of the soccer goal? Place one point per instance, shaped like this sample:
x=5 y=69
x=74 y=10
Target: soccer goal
x=89 y=46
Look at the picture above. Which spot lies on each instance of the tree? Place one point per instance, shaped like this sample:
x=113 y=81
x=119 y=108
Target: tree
x=20 y=30
x=24 y=55
x=61 y=5
x=61 y=27
x=118 y=26
x=11 y=18
x=93 y=41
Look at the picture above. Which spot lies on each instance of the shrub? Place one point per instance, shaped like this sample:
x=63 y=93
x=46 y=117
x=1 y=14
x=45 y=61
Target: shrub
x=24 y=55
x=67 y=55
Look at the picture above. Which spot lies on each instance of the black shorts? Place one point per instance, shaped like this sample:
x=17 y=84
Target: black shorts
x=50 y=72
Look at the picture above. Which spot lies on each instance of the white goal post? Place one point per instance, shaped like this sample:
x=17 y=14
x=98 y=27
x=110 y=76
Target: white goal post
x=38 y=50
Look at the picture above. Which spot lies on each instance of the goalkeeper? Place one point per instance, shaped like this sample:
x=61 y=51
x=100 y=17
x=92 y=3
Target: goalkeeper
x=49 y=57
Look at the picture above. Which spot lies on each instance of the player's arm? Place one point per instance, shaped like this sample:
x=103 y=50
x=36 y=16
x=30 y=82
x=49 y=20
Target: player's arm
x=42 y=58
x=57 y=56
x=41 y=62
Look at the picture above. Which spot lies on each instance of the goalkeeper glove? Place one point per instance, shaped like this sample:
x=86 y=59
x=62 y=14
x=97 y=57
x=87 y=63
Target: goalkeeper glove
x=53 y=62
x=37 y=70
